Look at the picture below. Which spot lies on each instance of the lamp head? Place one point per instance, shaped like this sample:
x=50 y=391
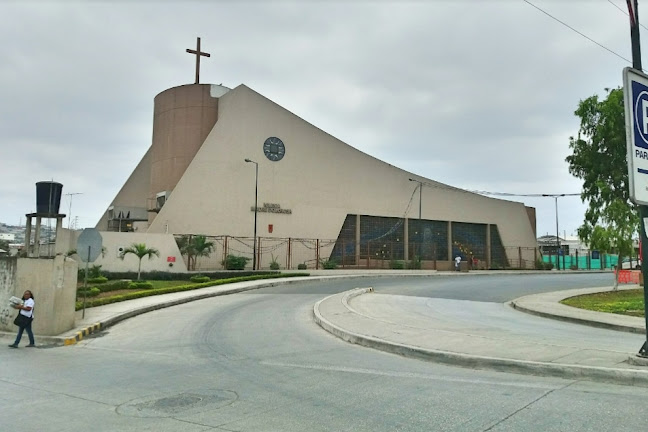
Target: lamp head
x=248 y=160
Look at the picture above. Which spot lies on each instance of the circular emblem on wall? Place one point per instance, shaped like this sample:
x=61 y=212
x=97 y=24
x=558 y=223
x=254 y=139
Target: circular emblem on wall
x=274 y=149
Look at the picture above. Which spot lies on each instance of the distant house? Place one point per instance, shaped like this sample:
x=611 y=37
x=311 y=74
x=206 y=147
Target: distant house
x=548 y=245
x=8 y=237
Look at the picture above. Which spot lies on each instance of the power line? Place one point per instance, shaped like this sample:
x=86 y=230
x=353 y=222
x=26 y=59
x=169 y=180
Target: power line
x=576 y=31
x=624 y=11
x=524 y=195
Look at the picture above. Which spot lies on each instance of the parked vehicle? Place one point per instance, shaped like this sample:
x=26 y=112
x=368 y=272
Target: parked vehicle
x=628 y=264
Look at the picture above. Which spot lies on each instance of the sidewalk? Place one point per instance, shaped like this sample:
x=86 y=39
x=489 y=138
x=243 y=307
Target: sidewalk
x=493 y=336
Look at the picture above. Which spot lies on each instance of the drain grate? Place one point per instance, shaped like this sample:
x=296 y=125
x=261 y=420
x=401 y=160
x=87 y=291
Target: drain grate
x=177 y=404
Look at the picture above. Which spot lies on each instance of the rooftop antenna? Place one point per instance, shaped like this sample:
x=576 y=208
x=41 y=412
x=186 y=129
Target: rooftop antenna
x=71 y=194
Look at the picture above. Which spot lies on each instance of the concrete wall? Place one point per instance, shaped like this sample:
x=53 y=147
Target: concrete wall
x=7 y=287
x=52 y=281
x=164 y=243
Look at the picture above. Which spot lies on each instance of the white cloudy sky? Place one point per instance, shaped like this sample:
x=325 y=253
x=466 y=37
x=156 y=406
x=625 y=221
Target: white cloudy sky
x=478 y=94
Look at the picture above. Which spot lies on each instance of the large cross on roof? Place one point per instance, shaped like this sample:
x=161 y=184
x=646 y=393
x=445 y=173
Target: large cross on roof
x=198 y=53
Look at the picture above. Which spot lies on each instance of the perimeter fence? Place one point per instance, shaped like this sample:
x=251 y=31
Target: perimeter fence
x=295 y=253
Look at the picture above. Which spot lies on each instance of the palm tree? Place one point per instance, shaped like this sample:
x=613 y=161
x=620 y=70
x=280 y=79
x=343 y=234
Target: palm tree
x=184 y=245
x=140 y=250
x=200 y=247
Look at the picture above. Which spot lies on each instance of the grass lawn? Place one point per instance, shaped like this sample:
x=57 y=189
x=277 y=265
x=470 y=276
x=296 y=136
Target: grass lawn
x=628 y=302
x=156 y=284
x=166 y=287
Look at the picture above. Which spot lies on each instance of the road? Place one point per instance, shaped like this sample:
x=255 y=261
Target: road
x=256 y=362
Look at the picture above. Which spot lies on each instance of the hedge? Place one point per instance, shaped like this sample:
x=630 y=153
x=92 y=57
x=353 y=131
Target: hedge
x=140 y=285
x=180 y=288
x=160 y=275
x=199 y=279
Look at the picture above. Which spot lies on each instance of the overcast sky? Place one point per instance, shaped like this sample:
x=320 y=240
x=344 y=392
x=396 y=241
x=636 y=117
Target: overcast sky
x=476 y=94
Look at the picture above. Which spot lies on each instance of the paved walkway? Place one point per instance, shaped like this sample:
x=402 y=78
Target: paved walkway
x=493 y=336
x=461 y=333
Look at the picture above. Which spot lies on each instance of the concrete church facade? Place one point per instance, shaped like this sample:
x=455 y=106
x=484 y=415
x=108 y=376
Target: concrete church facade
x=194 y=180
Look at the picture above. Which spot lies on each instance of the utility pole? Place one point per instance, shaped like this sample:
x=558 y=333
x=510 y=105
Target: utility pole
x=633 y=12
x=69 y=216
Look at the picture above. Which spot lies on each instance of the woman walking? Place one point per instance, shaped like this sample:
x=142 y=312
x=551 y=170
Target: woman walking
x=27 y=311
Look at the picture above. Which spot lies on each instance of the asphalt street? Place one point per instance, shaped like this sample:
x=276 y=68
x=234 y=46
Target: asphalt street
x=256 y=361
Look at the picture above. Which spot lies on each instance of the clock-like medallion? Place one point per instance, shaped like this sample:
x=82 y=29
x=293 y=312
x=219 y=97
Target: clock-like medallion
x=274 y=149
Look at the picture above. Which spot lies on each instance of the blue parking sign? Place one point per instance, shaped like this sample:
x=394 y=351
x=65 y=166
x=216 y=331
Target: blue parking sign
x=635 y=93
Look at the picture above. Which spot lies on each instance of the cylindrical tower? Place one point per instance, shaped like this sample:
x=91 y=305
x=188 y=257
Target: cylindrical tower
x=183 y=117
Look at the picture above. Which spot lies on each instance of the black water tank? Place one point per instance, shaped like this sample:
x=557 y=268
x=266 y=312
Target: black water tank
x=48 y=197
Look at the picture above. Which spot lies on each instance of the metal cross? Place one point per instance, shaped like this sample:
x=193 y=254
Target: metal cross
x=198 y=53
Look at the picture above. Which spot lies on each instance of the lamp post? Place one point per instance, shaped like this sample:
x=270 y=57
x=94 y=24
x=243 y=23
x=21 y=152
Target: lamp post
x=555 y=197
x=420 y=194
x=420 y=186
x=256 y=195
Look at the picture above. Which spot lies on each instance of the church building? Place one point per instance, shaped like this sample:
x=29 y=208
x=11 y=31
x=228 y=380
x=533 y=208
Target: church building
x=232 y=164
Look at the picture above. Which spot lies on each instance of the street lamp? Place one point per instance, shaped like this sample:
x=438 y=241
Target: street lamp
x=555 y=197
x=420 y=186
x=256 y=195
x=420 y=194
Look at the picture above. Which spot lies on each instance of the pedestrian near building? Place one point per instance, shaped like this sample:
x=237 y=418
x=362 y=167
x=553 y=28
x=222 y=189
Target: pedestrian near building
x=458 y=263
x=24 y=319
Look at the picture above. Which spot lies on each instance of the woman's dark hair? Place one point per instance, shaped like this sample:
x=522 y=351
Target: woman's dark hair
x=31 y=294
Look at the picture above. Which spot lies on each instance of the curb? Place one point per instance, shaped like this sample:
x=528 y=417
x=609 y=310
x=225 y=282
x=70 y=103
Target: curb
x=630 y=377
x=575 y=320
x=569 y=315
x=80 y=334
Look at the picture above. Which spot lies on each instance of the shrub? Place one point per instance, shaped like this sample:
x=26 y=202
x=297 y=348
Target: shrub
x=329 y=264
x=180 y=288
x=94 y=271
x=397 y=265
x=140 y=285
x=233 y=262
x=301 y=266
x=163 y=275
x=414 y=264
x=548 y=266
x=199 y=279
x=98 y=280
x=274 y=265
x=90 y=292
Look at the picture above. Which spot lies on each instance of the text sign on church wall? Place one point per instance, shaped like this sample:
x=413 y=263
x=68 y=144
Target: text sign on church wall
x=635 y=93
x=271 y=208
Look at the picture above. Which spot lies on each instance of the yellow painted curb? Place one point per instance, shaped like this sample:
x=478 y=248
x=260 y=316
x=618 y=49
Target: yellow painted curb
x=84 y=332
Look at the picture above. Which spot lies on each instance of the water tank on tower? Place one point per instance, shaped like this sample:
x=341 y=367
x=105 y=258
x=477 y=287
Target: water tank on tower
x=48 y=197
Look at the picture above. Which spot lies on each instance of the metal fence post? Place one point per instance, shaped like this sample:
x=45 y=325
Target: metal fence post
x=317 y=254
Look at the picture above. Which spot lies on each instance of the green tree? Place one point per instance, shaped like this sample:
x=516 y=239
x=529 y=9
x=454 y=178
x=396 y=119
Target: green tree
x=184 y=245
x=193 y=247
x=140 y=251
x=599 y=159
x=200 y=248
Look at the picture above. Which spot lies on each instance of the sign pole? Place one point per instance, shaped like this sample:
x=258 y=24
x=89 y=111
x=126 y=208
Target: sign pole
x=85 y=284
x=643 y=209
